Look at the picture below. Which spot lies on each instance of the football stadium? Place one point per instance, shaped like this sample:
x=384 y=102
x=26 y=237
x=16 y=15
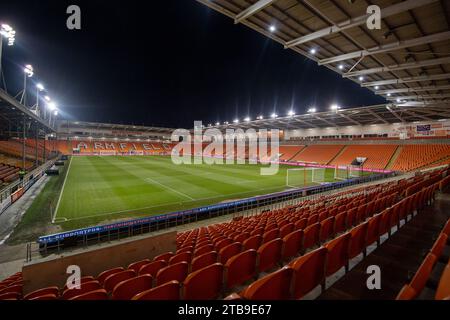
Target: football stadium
x=339 y=191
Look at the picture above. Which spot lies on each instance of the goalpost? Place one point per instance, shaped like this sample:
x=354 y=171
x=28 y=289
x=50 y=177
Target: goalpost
x=341 y=173
x=304 y=176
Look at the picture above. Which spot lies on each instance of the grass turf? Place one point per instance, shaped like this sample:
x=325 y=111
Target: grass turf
x=102 y=189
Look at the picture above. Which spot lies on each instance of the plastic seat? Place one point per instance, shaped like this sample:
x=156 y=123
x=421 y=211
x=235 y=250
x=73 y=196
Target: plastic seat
x=137 y=265
x=177 y=271
x=82 y=280
x=275 y=286
x=420 y=279
x=446 y=229
x=85 y=287
x=203 y=249
x=152 y=268
x=443 y=289
x=292 y=244
x=358 y=240
x=204 y=284
x=229 y=251
x=204 y=260
x=312 y=220
x=252 y=243
x=286 y=229
x=127 y=289
x=340 y=224
x=385 y=222
x=112 y=280
x=222 y=244
x=309 y=272
x=326 y=229
x=10 y=296
x=105 y=274
x=240 y=268
x=407 y=293
x=99 y=294
x=270 y=235
x=41 y=292
x=311 y=236
x=180 y=257
x=233 y=296
x=164 y=256
x=301 y=224
x=167 y=291
x=269 y=254
x=337 y=256
x=185 y=249
x=373 y=234
x=439 y=245
x=45 y=297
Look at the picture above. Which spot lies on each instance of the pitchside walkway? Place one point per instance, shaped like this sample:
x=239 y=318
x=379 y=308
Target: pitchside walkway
x=398 y=257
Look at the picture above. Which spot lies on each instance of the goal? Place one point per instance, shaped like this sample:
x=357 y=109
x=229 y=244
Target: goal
x=300 y=177
x=341 y=173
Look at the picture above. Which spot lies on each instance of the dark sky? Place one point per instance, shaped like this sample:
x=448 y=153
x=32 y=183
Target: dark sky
x=167 y=64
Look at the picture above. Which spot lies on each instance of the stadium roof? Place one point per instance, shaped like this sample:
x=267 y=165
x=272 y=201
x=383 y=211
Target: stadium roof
x=409 y=58
x=123 y=127
x=12 y=114
x=378 y=114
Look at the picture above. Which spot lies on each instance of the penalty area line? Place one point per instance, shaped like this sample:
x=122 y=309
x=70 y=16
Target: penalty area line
x=169 y=188
x=62 y=191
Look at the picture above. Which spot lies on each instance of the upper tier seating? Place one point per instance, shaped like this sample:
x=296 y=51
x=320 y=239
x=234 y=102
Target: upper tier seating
x=378 y=156
x=416 y=156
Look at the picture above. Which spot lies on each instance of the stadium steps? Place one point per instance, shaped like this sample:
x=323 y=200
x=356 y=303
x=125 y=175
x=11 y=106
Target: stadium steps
x=394 y=157
x=398 y=257
x=298 y=153
x=338 y=154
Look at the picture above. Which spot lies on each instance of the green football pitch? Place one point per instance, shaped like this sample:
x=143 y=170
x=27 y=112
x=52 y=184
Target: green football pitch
x=102 y=189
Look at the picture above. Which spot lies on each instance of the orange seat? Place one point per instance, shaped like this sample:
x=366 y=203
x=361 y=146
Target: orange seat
x=326 y=229
x=373 y=234
x=127 y=289
x=443 y=290
x=137 y=265
x=105 y=274
x=229 y=251
x=311 y=236
x=240 y=268
x=309 y=272
x=152 y=268
x=446 y=229
x=407 y=293
x=286 y=229
x=222 y=244
x=204 y=260
x=82 y=280
x=164 y=256
x=84 y=288
x=180 y=257
x=274 y=286
x=301 y=224
x=167 y=291
x=269 y=254
x=203 y=249
x=358 y=240
x=45 y=297
x=99 y=294
x=337 y=256
x=112 y=280
x=10 y=296
x=420 y=279
x=41 y=292
x=439 y=245
x=340 y=224
x=292 y=244
x=177 y=271
x=204 y=284
x=270 y=235
x=252 y=243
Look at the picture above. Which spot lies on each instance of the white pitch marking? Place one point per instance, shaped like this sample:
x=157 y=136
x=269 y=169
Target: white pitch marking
x=169 y=188
x=62 y=190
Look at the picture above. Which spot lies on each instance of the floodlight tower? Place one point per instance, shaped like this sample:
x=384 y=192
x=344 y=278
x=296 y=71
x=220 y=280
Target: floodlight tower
x=39 y=88
x=28 y=72
x=7 y=32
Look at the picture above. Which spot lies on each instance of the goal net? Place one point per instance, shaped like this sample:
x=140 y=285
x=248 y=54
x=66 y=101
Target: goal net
x=341 y=173
x=300 y=177
x=355 y=171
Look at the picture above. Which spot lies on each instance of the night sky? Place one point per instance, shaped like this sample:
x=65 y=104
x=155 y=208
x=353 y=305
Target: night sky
x=166 y=64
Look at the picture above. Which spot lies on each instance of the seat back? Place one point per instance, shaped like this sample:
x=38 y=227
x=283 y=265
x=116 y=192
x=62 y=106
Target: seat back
x=84 y=288
x=326 y=229
x=137 y=265
x=439 y=245
x=358 y=240
x=340 y=224
x=240 y=268
x=177 y=271
x=292 y=244
x=204 y=260
x=164 y=256
x=167 y=291
x=311 y=236
x=99 y=294
x=105 y=274
x=252 y=243
x=373 y=233
x=286 y=229
x=152 y=268
x=407 y=293
x=127 y=289
x=337 y=256
x=274 y=286
x=41 y=292
x=269 y=254
x=203 y=249
x=112 y=280
x=204 y=284
x=180 y=257
x=229 y=251
x=420 y=279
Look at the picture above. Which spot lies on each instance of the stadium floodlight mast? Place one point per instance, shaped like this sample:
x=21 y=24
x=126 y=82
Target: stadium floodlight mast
x=28 y=72
x=312 y=110
x=291 y=113
x=247 y=119
x=39 y=88
x=335 y=107
x=236 y=120
x=259 y=117
x=273 y=115
x=7 y=32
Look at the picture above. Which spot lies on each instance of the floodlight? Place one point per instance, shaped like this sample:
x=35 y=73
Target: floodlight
x=313 y=51
x=377 y=87
x=40 y=87
x=236 y=121
x=260 y=117
x=272 y=28
x=361 y=78
x=274 y=115
x=47 y=98
x=217 y=123
x=335 y=107
x=341 y=66
x=291 y=113
x=28 y=70
x=312 y=110
x=51 y=106
x=389 y=94
x=8 y=32
x=55 y=112
x=247 y=119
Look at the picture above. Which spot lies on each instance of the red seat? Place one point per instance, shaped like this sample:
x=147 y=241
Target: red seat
x=358 y=240
x=42 y=292
x=185 y=249
x=439 y=245
x=326 y=229
x=252 y=243
x=10 y=296
x=84 y=288
x=311 y=236
x=240 y=268
x=152 y=268
x=222 y=244
x=229 y=251
x=420 y=279
x=385 y=222
x=292 y=244
x=269 y=254
x=407 y=293
x=309 y=272
x=204 y=284
x=45 y=297
x=203 y=249
x=177 y=271
x=446 y=229
x=270 y=235
x=137 y=265
x=82 y=280
x=313 y=219
x=337 y=256
x=203 y=260
x=286 y=229
x=167 y=291
x=112 y=280
x=180 y=257
x=373 y=234
x=340 y=224
x=352 y=219
x=274 y=286
x=164 y=256
x=99 y=294
x=301 y=224
x=103 y=275
x=127 y=289
x=443 y=289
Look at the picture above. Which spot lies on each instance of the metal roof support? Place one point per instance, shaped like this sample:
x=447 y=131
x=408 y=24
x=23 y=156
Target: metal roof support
x=421 y=97
x=351 y=23
x=254 y=8
x=408 y=79
x=389 y=47
x=396 y=67
x=415 y=89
